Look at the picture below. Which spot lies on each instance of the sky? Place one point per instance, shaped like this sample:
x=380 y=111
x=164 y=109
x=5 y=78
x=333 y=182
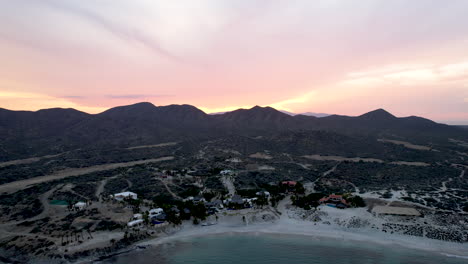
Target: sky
x=329 y=56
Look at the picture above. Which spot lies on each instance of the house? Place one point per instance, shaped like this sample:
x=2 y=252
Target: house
x=159 y=217
x=199 y=199
x=155 y=211
x=236 y=202
x=79 y=206
x=123 y=195
x=237 y=199
x=135 y=223
x=175 y=210
x=289 y=183
x=190 y=198
x=334 y=200
x=137 y=216
x=216 y=204
x=263 y=193
x=226 y=172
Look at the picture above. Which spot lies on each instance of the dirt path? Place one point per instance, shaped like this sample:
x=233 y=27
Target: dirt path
x=100 y=188
x=155 y=146
x=227 y=181
x=28 y=160
x=444 y=183
x=129 y=185
x=169 y=190
x=326 y=173
x=405 y=144
x=18 y=185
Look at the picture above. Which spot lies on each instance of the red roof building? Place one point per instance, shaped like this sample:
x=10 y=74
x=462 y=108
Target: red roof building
x=333 y=199
x=289 y=183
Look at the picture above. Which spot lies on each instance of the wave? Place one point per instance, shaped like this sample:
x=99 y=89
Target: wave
x=455 y=256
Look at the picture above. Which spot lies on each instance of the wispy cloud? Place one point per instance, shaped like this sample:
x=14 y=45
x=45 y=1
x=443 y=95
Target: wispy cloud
x=410 y=74
x=122 y=32
x=74 y=97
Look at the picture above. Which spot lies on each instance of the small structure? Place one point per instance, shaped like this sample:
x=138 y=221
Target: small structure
x=79 y=206
x=137 y=216
x=394 y=210
x=263 y=193
x=226 y=172
x=158 y=218
x=199 y=199
x=236 y=202
x=175 y=210
x=155 y=211
x=216 y=204
x=135 y=223
x=188 y=199
x=123 y=195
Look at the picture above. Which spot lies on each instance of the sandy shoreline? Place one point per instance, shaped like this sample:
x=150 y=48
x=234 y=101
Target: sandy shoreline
x=287 y=226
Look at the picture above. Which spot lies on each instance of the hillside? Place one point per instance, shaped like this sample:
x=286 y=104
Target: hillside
x=25 y=134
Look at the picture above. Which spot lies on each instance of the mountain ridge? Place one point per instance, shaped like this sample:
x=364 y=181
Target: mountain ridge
x=59 y=129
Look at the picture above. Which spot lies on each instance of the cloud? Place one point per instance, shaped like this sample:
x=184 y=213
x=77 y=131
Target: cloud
x=74 y=97
x=410 y=75
x=122 y=32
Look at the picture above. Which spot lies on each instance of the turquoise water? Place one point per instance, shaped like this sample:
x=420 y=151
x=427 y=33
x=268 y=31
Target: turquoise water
x=271 y=249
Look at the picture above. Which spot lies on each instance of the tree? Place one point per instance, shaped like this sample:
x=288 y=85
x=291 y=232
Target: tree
x=146 y=217
x=300 y=188
x=357 y=201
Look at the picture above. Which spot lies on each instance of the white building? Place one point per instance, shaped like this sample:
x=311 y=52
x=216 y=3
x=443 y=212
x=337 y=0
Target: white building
x=156 y=211
x=79 y=205
x=135 y=223
x=137 y=216
x=123 y=195
x=226 y=172
x=190 y=198
x=263 y=193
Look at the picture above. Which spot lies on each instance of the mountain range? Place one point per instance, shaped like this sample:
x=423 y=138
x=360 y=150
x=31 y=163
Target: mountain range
x=26 y=133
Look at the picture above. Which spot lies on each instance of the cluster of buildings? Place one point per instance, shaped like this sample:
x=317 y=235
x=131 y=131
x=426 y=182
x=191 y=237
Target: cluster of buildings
x=155 y=216
x=124 y=195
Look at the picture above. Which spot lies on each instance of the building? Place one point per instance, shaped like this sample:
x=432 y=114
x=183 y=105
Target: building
x=79 y=206
x=218 y=204
x=263 y=193
x=199 y=199
x=123 y=195
x=289 y=183
x=334 y=200
x=155 y=211
x=135 y=223
x=226 y=172
x=394 y=210
x=190 y=198
x=137 y=216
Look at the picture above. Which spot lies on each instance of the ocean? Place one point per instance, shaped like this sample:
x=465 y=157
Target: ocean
x=275 y=249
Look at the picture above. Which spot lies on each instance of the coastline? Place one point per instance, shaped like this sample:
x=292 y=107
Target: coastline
x=304 y=228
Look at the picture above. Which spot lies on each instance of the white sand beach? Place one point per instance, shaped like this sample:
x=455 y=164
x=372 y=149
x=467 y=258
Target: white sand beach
x=287 y=224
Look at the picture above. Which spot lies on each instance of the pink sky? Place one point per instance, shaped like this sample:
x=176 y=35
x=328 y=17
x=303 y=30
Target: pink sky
x=344 y=57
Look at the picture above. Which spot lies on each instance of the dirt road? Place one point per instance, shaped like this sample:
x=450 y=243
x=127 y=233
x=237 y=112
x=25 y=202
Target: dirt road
x=18 y=185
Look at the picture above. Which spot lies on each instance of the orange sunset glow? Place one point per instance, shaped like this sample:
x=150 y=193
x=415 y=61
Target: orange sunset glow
x=336 y=57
